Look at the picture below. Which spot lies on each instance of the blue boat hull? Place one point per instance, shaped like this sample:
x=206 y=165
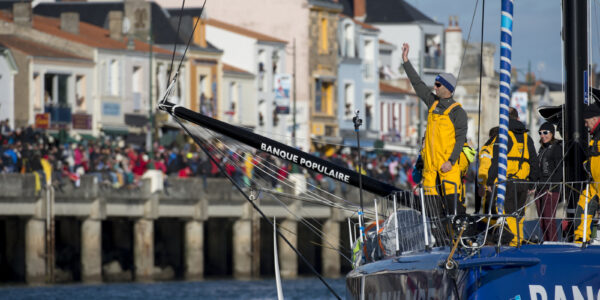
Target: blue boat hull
x=530 y=272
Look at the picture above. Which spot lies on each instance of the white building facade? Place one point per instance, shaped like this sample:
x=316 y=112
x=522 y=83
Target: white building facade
x=261 y=56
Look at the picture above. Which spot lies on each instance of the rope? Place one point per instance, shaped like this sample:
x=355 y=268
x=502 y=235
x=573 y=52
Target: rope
x=480 y=86
x=468 y=39
x=256 y=207
x=175 y=42
x=302 y=220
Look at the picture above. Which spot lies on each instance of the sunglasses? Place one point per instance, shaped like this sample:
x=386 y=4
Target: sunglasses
x=544 y=132
x=437 y=84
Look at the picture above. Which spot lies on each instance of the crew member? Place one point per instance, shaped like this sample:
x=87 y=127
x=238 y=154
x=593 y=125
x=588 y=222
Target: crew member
x=444 y=137
x=591 y=116
x=521 y=167
x=485 y=162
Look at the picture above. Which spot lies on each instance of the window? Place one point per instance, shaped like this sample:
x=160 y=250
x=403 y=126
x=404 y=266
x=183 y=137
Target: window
x=114 y=78
x=161 y=81
x=323 y=97
x=232 y=106
x=433 y=52
x=136 y=88
x=323 y=38
x=262 y=76
x=180 y=87
x=369 y=60
x=330 y=130
x=55 y=89
x=275 y=61
x=80 y=89
x=348 y=101
x=205 y=100
x=369 y=108
x=349 y=41
x=37 y=91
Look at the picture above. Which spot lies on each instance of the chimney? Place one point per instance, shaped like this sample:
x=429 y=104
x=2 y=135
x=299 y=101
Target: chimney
x=360 y=9
x=69 y=22
x=115 y=24
x=453 y=47
x=22 y=14
x=200 y=34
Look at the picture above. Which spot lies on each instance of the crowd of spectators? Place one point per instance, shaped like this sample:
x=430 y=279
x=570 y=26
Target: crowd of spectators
x=121 y=165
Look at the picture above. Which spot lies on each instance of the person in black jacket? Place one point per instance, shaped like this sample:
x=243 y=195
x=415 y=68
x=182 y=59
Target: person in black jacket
x=550 y=159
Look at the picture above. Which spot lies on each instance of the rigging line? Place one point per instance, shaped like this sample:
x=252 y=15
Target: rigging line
x=287 y=174
x=304 y=221
x=596 y=21
x=313 y=228
x=304 y=199
x=590 y=52
x=480 y=89
x=172 y=84
x=317 y=141
x=467 y=43
x=254 y=205
x=325 y=238
x=176 y=40
x=562 y=78
x=275 y=176
x=191 y=36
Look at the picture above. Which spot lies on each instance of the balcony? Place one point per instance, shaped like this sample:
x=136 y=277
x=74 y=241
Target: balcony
x=59 y=113
x=433 y=62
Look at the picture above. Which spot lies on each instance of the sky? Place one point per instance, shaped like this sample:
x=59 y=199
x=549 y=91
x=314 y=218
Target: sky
x=536 y=30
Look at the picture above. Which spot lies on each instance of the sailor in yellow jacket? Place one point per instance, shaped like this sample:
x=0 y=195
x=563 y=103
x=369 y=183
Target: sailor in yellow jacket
x=590 y=195
x=444 y=137
x=522 y=167
x=485 y=162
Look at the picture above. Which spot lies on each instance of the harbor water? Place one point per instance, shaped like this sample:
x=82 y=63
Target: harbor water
x=306 y=288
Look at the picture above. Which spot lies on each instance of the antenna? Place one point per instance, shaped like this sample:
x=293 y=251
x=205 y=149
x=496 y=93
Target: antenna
x=357 y=122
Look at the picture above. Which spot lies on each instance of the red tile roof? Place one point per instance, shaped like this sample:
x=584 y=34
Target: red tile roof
x=231 y=68
x=89 y=34
x=390 y=89
x=33 y=48
x=365 y=25
x=243 y=31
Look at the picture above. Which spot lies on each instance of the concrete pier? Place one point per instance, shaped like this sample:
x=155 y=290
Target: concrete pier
x=35 y=245
x=143 y=249
x=242 y=248
x=288 y=260
x=91 y=250
x=106 y=234
x=194 y=250
x=330 y=257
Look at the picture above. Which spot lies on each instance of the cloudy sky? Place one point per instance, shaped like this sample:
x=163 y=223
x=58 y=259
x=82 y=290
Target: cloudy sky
x=536 y=30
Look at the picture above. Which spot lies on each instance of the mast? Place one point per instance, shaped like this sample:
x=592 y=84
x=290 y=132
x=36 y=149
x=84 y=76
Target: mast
x=575 y=34
x=505 y=77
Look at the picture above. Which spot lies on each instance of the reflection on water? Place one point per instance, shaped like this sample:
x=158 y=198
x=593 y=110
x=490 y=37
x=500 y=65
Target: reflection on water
x=309 y=288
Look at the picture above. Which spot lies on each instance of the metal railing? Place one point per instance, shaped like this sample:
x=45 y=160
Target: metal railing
x=544 y=213
x=405 y=222
x=59 y=113
x=535 y=213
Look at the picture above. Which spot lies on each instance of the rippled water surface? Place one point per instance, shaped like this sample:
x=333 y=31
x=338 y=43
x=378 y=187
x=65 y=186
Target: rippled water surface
x=310 y=288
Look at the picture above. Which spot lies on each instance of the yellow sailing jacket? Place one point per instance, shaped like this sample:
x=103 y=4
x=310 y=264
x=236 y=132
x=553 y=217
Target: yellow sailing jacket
x=517 y=166
x=439 y=138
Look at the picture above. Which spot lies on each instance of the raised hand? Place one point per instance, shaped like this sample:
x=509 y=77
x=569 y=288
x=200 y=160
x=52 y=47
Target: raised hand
x=405 y=49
